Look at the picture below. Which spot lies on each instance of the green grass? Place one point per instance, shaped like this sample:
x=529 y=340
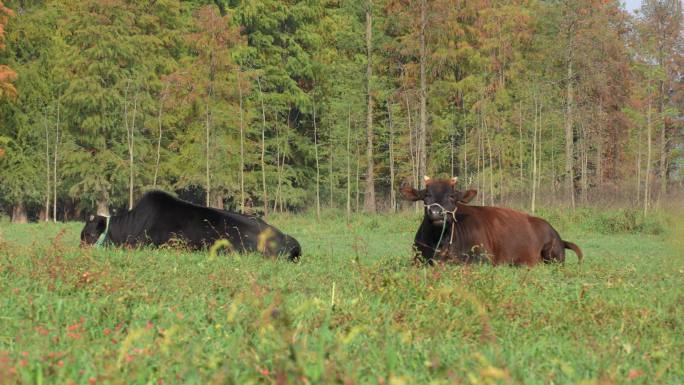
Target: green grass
x=168 y=316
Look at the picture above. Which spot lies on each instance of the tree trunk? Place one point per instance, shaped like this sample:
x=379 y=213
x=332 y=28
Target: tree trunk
x=663 y=143
x=540 y=146
x=348 y=165
x=569 y=131
x=48 y=189
x=638 y=167
x=393 y=193
x=534 y=159
x=242 y=145
x=647 y=177
x=131 y=143
x=264 y=197
x=103 y=206
x=331 y=157
x=54 y=168
x=583 y=161
x=520 y=144
x=19 y=213
x=277 y=191
x=412 y=153
x=358 y=172
x=318 y=168
x=491 y=164
x=422 y=144
x=465 y=152
x=369 y=194
x=159 y=138
x=208 y=132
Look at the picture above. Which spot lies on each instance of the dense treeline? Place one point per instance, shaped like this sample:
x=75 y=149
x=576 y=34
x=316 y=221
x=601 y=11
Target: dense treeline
x=271 y=105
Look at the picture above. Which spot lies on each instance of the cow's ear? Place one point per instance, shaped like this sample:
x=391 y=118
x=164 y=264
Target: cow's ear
x=468 y=196
x=411 y=194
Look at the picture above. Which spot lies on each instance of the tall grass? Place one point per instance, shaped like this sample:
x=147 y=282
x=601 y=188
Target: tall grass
x=353 y=311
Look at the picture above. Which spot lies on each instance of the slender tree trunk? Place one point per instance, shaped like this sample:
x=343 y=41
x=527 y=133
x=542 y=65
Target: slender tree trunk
x=19 y=213
x=663 y=143
x=208 y=132
x=131 y=143
x=358 y=172
x=48 y=188
x=159 y=138
x=277 y=192
x=369 y=194
x=422 y=144
x=649 y=140
x=103 y=204
x=501 y=177
x=540 y=145
x=242 y=144
x=520 y=144
x=348 y=165
x=54 y=168
x=413 y=152
x=491 y=164
x=638 y=167
x=264 y=197
x=393 y=193
x=331 y=156
x=569 y=130
x=414 y=169
x=534 y=158
x=318 y=168
x=599 y=159
x=465 y=152
x=583 y=159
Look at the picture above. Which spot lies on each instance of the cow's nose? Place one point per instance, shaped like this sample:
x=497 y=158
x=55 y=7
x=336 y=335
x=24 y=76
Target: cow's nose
x=435 y=211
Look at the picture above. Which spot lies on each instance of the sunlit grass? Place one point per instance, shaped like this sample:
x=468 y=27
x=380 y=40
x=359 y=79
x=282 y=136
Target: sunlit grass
x=355 y=310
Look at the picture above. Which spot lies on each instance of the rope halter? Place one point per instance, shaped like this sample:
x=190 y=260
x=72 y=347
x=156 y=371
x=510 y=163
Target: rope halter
x=101 y=239
x=445 y=213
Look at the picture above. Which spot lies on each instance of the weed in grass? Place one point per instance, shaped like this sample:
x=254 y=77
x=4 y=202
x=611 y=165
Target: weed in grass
x=118 y=316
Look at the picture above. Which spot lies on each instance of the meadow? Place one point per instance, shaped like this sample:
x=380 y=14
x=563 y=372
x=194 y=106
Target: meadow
x=355 y=310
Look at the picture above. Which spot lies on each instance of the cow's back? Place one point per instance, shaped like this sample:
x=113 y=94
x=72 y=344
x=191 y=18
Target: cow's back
x=504 y=235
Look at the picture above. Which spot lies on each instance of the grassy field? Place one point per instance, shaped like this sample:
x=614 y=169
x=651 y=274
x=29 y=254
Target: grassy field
x=353 y=311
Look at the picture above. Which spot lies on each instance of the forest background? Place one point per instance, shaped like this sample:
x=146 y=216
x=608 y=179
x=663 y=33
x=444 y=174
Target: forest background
x=267 y=105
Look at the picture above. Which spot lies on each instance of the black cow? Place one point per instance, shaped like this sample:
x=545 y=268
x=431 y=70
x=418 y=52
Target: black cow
x=159 y=218
x=454 y=231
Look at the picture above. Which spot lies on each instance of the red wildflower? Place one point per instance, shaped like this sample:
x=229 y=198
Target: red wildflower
x=633 y=373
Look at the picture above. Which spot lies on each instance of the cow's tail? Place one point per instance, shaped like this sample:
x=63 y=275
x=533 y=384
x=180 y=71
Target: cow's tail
x=575 y=248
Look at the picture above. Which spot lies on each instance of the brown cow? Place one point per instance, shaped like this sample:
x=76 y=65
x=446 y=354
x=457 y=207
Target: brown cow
x=481 y=233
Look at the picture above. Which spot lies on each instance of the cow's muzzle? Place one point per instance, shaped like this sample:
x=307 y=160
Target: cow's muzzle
x=437 y=214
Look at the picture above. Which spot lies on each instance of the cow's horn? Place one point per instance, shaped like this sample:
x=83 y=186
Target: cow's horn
x=426 y=178
x=92 y=217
